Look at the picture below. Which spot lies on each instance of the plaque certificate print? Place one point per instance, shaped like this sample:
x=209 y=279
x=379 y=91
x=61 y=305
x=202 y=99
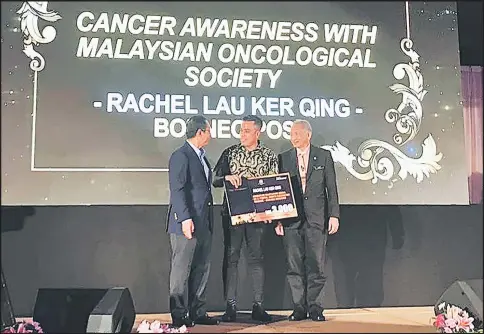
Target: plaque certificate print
x=260 y=199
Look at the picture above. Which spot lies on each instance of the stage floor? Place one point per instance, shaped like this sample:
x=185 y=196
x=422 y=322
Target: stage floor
x=362 y=320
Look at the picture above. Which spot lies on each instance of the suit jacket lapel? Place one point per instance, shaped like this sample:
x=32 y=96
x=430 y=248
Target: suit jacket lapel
x=209 y=171
x=199 y=162
x=294 y=165
x=311 y=163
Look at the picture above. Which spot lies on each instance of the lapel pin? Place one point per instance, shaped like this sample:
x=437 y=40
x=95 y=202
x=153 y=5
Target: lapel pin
x=314 y=158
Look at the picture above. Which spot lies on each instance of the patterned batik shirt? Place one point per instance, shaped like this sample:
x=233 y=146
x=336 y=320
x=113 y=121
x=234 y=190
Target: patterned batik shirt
x=261 y=161
x=237 y=160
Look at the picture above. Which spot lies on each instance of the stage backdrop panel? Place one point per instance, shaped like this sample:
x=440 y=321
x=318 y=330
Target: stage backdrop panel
x=96 y=94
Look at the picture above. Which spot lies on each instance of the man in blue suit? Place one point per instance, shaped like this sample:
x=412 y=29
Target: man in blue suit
x=190 y=225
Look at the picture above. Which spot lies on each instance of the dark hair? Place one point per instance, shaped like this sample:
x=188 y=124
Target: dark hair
x=255 y=119
x=194 y=124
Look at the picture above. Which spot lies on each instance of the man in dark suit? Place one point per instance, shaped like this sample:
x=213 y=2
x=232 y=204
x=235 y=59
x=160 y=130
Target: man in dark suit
x=190 y=226
x=316 y=195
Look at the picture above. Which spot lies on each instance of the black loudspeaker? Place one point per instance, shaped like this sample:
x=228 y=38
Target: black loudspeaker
x=113 y=314
x=464 y=294
x=8 y=318
x=84 y=310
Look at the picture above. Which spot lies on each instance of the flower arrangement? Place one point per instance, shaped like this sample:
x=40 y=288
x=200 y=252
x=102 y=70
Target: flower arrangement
x=452 y=319
x=158 y=327
x=23 y=327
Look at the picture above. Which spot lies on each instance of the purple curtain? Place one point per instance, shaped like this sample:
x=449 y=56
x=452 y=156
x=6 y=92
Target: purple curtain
x=472 y=99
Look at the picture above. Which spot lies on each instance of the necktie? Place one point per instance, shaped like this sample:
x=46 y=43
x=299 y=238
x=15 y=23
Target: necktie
x=202 y=161
x=302 y=171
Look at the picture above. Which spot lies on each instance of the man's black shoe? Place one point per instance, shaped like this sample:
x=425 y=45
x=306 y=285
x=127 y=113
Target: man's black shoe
x=206 y=320
x=298 y=316
x=259 y=314
x=230 y=314
x=317 y=316
x=183 y=321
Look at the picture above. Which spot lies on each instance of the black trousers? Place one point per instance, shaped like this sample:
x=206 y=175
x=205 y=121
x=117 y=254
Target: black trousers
x=305 y=255
x=190 y=268
x=234 y=237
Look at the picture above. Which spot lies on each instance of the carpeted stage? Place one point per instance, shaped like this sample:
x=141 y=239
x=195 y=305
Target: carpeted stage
x=363 y=320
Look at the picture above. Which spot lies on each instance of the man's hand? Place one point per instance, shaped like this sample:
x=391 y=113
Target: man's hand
x=188 y=228
x=333 y=225
x=279 y=229
x=236 y=180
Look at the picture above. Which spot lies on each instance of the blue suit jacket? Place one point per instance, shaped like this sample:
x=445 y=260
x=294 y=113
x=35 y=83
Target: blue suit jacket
x=190 y=191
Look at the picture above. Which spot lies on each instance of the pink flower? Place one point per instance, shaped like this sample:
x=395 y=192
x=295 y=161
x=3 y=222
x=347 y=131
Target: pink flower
x=451 y=323
x=21 y=328
x=158 y=327
x=452 y=312
x=465 y=323
x=24 y=327
x=37 y=327
x=144 y=327
x=439 y=321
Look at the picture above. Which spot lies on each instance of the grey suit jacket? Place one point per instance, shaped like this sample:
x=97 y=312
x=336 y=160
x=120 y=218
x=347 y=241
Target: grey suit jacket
x=320 y=200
